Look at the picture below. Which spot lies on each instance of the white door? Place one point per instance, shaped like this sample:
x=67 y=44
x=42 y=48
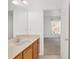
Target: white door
x=65 y=30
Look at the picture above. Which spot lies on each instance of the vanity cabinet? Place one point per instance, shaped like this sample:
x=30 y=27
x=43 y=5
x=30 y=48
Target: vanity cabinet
x=35 y=50
x=19 y=56
x=27 y=54
x=30 y=52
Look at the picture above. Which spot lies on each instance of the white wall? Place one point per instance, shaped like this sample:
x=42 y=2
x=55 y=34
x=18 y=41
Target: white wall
x=44 y=4
x=20 y=22
x=65 y=30
x=10 y=24
x=47 y=27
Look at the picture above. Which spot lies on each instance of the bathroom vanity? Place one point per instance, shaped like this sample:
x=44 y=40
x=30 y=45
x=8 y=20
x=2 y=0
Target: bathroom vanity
x=27 y=47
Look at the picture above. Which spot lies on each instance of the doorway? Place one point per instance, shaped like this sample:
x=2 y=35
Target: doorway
x=52 y=32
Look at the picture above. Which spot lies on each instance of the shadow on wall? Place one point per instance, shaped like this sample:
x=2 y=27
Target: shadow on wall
x=10 y=24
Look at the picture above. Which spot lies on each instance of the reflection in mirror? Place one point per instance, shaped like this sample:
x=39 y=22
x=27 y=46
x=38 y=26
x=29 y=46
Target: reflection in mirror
x=17 y=19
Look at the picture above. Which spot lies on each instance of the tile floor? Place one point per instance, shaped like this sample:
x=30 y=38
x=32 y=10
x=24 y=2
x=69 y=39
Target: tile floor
x=52 y=46
x=49 y=57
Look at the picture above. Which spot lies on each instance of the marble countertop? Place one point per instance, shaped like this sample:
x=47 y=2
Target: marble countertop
x=18 y=44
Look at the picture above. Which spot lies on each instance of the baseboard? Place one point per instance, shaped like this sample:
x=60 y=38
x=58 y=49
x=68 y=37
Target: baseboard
x=41 y=54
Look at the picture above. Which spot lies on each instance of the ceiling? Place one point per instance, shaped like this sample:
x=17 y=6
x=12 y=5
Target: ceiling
x=38 y=4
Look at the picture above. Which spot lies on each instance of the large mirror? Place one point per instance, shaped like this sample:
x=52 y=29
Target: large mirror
x=47 y=18
x=17 y=19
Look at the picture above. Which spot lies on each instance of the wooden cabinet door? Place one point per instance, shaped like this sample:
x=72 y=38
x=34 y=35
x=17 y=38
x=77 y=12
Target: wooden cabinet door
x=27 y=54
x=35 y=50
x=18 y=56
